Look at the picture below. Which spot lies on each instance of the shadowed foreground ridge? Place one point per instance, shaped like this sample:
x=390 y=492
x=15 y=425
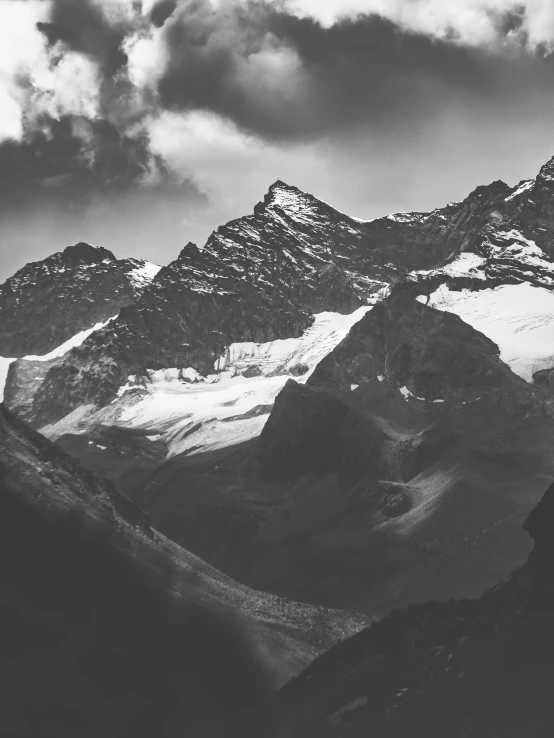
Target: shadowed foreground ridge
x=98 y=646
x=479 y=668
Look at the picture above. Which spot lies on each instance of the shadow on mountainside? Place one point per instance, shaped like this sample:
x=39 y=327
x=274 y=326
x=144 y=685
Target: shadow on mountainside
x=477 y=668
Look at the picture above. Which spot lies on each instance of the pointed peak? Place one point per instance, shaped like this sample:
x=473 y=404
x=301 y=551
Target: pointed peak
x=280 y=193
x=188 y=248
x=190 y=253
x=498 y=188
x=280 y=185
x=546 y=173
x=284 y=196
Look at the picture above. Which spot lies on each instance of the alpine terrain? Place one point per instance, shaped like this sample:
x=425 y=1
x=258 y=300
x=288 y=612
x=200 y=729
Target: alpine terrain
x=316 y=423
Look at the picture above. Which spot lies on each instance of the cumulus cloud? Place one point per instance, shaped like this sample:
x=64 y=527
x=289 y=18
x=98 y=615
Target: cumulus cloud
x=21 y=50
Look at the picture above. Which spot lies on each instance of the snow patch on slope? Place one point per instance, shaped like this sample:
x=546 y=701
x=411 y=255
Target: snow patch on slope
x=521 y=188
x=503 y=254
x=72 y=342
x=144 y=274
x=512 y=246
x=282 y=356
x=518 y=318
x=227 y=408
x=406 y=217
x=199 y=418
x=466 y=264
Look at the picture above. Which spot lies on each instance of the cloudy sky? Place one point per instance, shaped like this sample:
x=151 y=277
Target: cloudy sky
x=140 y=125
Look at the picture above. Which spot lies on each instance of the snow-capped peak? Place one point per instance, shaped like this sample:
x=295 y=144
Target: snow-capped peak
x=284 y=196
x=302 y=207
x=546 y=173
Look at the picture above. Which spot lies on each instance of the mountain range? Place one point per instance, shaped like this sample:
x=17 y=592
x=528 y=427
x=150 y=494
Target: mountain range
x=318 y=422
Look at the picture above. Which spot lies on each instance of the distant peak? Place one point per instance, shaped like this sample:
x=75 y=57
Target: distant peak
x=546 y=173
x=86 y=253
x=190 y=253
x=494 y=188
x=188 y=248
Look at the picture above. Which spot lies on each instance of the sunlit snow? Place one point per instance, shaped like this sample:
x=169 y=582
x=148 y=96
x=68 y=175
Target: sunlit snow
x=72 y=342
x=466 y=264
x=144 y=274
x=326 y=332
x=201 y=416
x=523 y=187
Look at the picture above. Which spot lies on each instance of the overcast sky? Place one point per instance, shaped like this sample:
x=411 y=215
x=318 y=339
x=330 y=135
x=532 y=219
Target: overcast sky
x=139 y=126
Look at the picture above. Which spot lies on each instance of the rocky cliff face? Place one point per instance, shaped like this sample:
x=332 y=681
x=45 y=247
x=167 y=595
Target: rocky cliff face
x=311 y=432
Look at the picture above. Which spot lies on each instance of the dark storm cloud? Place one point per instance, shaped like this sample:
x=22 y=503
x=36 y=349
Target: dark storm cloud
x=363 y=70
x=161 y=11
x=76 y=179
x=82 y=26
x=75 y=160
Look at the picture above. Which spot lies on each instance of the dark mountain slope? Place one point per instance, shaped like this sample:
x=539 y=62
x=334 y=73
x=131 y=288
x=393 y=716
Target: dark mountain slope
x=401 y=472
x=88 y=649
x=431 y=353
x=66 y=504
x=469 y=668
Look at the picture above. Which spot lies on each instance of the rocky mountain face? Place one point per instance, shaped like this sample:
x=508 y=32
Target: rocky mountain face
x=467 y=668
x=431 y=354
x=261 y=277
x=47 y=302
x=257 y=279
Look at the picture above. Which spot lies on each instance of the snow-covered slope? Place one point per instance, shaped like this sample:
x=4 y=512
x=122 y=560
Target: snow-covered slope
x=66 y=346
x=288 y=356
x=193 y=414
x=518 y=318
x=143 y=273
